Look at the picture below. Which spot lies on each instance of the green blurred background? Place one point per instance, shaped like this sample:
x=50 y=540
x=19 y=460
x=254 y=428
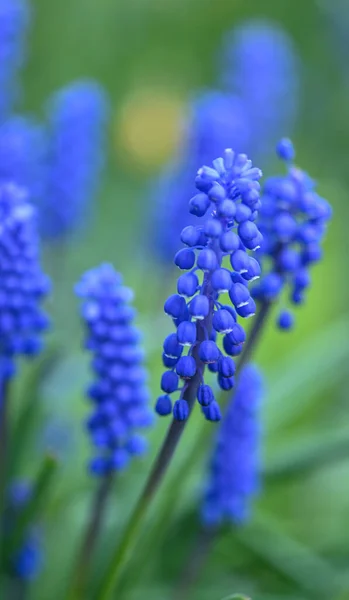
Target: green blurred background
x=151 y=55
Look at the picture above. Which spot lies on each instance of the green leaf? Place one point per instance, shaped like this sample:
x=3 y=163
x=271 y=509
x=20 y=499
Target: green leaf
x=294 y=387
x=308 y=452
x=312 y=573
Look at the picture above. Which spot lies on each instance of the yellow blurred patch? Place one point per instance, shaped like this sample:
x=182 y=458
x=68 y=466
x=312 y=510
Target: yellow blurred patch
x=147 y=129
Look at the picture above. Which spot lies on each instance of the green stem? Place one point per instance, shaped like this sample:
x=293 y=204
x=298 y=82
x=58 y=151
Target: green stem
x=78 y=586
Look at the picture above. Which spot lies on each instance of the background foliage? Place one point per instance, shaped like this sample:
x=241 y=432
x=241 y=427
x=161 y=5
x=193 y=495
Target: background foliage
x=151 y=55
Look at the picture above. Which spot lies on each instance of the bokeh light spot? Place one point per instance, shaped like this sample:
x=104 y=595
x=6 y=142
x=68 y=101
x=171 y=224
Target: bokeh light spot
x=147 y=129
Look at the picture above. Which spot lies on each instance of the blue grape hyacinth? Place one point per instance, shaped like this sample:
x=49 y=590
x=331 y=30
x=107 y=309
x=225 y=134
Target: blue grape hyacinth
x=23 y=285
x=77 y=119
x=28 y=559
x=14 y=20
x=293 y=221
x=234 y=472
x=119 y=393
x=215 y=120
x=259 y=63
x=214 y=261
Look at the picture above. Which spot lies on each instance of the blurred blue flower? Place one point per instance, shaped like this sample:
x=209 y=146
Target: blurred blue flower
x=260 y=64
x=119 y=393
x=19 y=493
x=293 y=221
x=22 y=147
x=234 y=468
x=14 y=21
x=215 y=121
x=228 y=198
x=23 y=285
x=77 y=125
x=28 y=559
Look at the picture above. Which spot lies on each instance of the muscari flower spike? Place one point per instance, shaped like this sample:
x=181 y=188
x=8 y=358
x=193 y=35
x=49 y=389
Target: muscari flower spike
x=119 y=393
x=228 y=198
x=78 y=115
x=23 y=286
x=259 y=63
x=14 y=21
x=28 y=559
x=215 y=120
x=234 y=473
x=293 y=221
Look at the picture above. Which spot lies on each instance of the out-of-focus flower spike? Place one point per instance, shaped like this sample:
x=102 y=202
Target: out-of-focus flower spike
x=77 y=128
x=233 y=477
x=23 y=285
x=119 y=392
x=259 y=62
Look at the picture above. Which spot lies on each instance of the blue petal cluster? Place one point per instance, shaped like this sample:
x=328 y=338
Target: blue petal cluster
x=215 y=120
x=77 y=127
x=23 y=285
x=293 y=221
x=234 y=467
x=228 y=198
x=14 y=20
x=259 y=63
x=27 y=561
x=119 y=393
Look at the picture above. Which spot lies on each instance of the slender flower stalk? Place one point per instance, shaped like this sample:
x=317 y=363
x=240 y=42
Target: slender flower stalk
x=229 y=193
x=119 y=394
x=98 y=509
